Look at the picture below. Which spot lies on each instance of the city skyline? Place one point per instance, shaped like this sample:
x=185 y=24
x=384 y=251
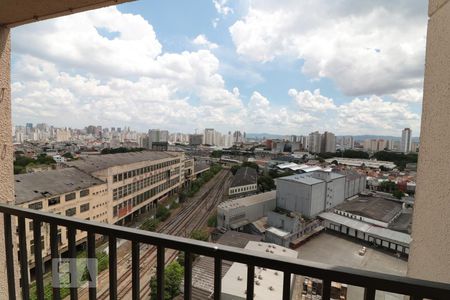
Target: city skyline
x=200 y=67
x=201 y=131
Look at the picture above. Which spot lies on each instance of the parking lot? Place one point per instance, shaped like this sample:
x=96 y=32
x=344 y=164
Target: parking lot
x=335 y=250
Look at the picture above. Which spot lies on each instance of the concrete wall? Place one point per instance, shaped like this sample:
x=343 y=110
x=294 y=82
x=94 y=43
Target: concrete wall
x=6 y=147
x=430 y=251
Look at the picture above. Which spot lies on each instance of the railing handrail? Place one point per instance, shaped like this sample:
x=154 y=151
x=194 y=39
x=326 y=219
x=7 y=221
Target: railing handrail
x=363 y=278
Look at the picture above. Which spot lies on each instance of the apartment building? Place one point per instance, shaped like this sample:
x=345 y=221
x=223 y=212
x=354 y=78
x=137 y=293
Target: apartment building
x=67 y=192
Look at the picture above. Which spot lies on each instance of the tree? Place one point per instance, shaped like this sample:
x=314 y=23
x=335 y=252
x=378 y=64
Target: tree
x=250 y=165
x=200 y=235
x=68 y=155
x=398 y=194
x=212 y=220
x=234 y=169
x=266 y=183
x=173 y=276
x=150 y=225
x=162 y=213
x=335 y=162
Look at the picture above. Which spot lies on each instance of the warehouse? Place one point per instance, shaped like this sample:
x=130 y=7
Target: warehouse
x=237 y=213
x=311 y=193
x=379 y=236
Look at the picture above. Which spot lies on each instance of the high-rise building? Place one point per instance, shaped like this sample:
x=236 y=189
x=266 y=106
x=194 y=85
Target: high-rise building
x=195 y=139
x=209 y=137
x=314 y=143
x=328 y=142
x=405 y=145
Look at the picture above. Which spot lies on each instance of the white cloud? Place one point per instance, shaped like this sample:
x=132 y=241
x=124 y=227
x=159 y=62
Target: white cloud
x=75 y=74
x=222 y=7
x=409 y=95
x=364 y=47
x=375 y=115
x=311 y=101
x=201 y=40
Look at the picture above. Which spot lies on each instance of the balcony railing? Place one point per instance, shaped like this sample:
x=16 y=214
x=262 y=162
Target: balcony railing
x=370 y=281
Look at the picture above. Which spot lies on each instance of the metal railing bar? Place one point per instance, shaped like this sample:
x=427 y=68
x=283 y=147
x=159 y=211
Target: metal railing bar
x=286 y=286
x=160 y=265
x=39 y=274
x=56 y=294
x=250 y=291
x=112 y=241
x=9 y=257
x=23 y=260
x=217 y=278
x=71 y=233
x=92 y=255
x=369 y=293
x=135 y=262
x=187 y=275
x=380 y=281
x=326 y=289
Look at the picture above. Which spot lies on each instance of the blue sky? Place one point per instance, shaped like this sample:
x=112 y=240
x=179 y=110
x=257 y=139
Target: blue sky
x=286 y=67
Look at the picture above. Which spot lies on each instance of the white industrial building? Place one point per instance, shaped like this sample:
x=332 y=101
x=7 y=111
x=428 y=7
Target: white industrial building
x=310 y=193
x=358 y=162
x=268 y=283
x=383 y=237
x=237 y=213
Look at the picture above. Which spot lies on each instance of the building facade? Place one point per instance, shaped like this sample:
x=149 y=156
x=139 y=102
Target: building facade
x=245 y=182
x=405 y=144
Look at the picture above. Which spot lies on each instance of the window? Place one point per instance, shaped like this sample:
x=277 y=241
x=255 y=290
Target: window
x=115 y=178
x=37 y=205
x=84 y=193
x=32 y=244
x=53 y=201
x=84 y=207
x=71 y=211
x=70 y=196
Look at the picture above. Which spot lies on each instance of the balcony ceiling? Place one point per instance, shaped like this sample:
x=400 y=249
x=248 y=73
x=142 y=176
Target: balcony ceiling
x=19 y=12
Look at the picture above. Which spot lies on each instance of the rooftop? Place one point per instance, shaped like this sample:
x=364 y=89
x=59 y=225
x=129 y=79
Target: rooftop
x=247 y=201
x=301 y=178
x=372 y=207
x=244 y=176
x=200 y=166
x=95 y=163
x=268 y=283
x=387 y=234
x=38 y=185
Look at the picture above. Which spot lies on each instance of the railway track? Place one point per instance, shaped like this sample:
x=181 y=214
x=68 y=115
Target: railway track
x=192 y=215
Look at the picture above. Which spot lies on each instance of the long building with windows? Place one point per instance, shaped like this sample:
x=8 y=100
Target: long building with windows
x=67 y=192
x=136 y=181
x=112 y=188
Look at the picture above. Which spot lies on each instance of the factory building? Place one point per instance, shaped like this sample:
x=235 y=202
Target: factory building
x=237 y=213
x=310 y=193
x=136 y=181
x=268 y=283
x=245 y=182
x=68 y=192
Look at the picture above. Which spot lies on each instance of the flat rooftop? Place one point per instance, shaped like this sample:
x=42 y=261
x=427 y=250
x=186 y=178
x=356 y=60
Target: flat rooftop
x=268 y=283
x=334 y=250
x=301 y=178
x=244 y=176
x=372 y=207
x=200 y=166
x=95 y=163
x=38 y=185
x=203 y=268
x=248 y=201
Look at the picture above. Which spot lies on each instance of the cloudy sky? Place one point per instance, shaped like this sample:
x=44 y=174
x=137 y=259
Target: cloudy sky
x=276 y=66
